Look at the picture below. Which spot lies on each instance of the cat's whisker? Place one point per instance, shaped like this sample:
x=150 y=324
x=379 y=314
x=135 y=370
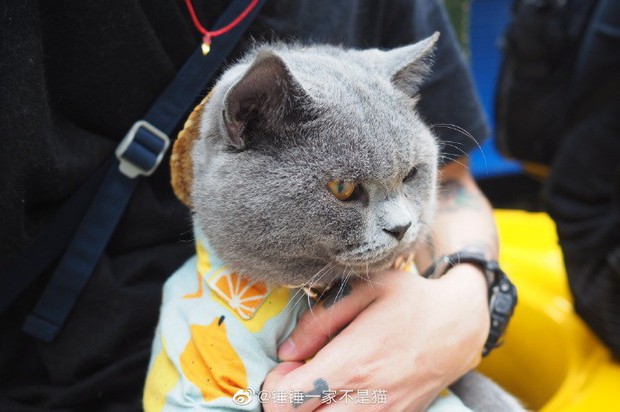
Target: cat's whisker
x=453 y=143
x=319 y=298
x=376 y=282
x=291 y=303
x=327 y=288
x=353 y=271
x=453 y=157
x=465 y=133
x=191 y=238
x=456 y=128
x=426 y=230
x=343 y=283
x=318 y=276
x=321 y=295
x=369 y=281
x=429 y=237
x=339 y=294
x=455 y=160
x=424 y=174
x=366 y=278
x=295 y=299
x=329 y=267
x=310 y=305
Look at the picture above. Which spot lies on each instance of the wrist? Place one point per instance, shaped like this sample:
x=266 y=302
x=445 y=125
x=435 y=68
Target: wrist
x=466 y=291
x=470 y=279
x=502 y=294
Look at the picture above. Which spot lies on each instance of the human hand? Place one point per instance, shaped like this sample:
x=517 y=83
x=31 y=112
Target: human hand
x=407 y=336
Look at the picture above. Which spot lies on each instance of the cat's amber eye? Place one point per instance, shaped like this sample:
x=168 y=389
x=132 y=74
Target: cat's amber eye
x=342 y=189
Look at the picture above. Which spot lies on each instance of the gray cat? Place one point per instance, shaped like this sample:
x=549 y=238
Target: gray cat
x=307 y=158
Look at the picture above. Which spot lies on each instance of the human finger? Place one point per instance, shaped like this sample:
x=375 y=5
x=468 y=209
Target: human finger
x=292 y=391
x=322 y=322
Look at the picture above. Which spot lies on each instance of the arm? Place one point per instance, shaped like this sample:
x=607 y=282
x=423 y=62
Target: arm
x=463 y=219
x=436 y=327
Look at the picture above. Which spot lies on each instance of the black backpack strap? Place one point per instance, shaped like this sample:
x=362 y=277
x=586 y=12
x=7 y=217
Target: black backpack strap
x=103 y=198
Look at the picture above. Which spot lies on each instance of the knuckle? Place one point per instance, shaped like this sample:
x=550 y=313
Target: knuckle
x=359 y=377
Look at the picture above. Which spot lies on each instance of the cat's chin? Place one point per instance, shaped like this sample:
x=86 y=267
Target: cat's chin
x=364 y=262
x=327 y=274
x=364 y=268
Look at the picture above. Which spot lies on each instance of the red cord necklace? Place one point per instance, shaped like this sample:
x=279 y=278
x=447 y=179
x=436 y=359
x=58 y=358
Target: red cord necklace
x=207 y=35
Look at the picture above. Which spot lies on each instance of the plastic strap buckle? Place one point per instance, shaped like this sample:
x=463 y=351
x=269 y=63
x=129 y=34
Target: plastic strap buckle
x=142 y=149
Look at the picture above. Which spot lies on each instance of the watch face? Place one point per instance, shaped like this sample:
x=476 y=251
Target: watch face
x=504 y=303
x=501 y=306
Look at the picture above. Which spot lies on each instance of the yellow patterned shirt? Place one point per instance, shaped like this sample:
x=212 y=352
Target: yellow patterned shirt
x=217 y=339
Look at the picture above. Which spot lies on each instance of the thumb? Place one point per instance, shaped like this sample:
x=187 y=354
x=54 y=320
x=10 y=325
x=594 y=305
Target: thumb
x=279 y=372
x=274 y=378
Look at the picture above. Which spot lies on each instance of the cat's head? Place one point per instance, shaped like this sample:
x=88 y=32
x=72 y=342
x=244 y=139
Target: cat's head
x=311 y=162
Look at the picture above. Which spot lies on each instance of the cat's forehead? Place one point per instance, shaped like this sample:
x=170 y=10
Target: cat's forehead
x=354 y=86
x=372 y=149
x=333 y=75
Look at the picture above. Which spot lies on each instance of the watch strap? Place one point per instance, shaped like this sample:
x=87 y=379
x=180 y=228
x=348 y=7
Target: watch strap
x=447 y=262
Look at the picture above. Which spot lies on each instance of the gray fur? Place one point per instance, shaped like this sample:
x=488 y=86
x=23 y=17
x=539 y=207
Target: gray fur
x=481 y=394
x=283 y=122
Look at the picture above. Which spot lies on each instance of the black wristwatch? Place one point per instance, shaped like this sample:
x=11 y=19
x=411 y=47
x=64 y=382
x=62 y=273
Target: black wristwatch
x=502 y=293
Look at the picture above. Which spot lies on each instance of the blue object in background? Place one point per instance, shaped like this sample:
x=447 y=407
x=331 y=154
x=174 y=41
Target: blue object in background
x=488 y=20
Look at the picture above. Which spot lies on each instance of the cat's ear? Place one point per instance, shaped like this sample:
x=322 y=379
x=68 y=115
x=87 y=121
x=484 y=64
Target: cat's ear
x=409 y=66
x=265 y=93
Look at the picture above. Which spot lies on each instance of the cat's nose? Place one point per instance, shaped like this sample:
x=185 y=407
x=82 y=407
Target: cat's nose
x=398 y=231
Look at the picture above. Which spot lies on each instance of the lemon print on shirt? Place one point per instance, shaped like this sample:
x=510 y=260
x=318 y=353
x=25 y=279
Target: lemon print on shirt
x=211 y=363
x=252 y=302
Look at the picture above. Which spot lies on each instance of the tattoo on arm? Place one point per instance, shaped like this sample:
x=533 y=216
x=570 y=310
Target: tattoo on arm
x=453 y=196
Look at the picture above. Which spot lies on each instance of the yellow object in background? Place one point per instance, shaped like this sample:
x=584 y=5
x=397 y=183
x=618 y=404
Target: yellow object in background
x=551 y=360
